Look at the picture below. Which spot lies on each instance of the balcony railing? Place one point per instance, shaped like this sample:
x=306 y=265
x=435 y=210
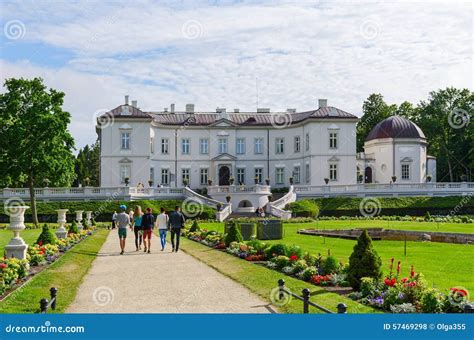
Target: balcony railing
x=215 y=189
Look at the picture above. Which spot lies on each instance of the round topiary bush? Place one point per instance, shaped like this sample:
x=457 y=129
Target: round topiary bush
x=363 y=262
x=330 y=265
x=276 y=249
x=46 y=236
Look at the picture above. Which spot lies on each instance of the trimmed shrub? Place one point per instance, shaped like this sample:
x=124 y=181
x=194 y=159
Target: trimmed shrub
x=233 y=235
x=363 y=262
x=330 y=265
x=427 y=216
x=276 y=250
x=304 y=208
x=46 y=236
x=431 y=301
x=194 y=227
x=73 y=228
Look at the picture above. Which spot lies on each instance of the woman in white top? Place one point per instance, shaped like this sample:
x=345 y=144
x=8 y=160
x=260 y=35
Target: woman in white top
x=162 y=225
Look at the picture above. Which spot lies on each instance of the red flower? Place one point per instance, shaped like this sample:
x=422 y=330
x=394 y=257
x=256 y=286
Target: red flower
x=405 y=279
x=412 y=284
x=3 y=265
x=398 y=268
x=293 y=258
x=412 y=272
x=40 y=243
x=390 y=282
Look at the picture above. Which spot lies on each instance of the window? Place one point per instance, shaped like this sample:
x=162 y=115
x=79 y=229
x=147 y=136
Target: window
x=307 y=173
x=297 y=144
x=185 y=146
x=307 y=142
x=240 y=148
x=152 y=146
x=241 y=175
x=333 y=140
x=185 y=176
x=152 y=174
x=333 y=172
x=204 y=176
x=258 y=145
x=165 y=176
x=222 y=145
x=125 y=141
x=297 y=174
x=124 y=173
x=405 y=171
x=280 y=175
x=259 y=175
x=280 y=142
x=204 y=146
x=165 y=146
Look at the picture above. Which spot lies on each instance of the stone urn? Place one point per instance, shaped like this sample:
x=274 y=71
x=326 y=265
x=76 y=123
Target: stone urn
x=89 y=217
x=61 y=232
x=79 y=219
x=17 y=247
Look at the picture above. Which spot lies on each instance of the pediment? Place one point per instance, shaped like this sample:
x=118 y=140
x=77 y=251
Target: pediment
x=125 y=160
x=406 y=160
x=333 y=159
x=224 y=157
x=223 y=122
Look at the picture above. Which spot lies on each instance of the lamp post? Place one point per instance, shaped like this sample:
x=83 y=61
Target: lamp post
x=17 y=246
x=61 y=232
x=79 y=219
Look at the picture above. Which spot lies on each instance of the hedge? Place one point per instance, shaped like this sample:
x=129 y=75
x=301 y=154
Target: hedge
x=102 y=210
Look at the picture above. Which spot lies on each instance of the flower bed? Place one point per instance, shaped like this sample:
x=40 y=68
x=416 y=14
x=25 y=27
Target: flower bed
x=409 y=294
x=15 y=272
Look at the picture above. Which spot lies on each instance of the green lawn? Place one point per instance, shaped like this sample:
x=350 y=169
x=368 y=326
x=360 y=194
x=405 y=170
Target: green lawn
x=29 y=235
x=262 y=280
x=66 y=274
x=444 y=265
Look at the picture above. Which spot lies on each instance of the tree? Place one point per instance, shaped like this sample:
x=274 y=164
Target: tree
x=87 y=166
x=35 y=143
x=363 y=262
x=233 y=235
x=374 y=111
x=446 y=118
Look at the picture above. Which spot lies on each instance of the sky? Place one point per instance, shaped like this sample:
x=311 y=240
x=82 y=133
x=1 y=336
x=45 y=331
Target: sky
x=235 y=54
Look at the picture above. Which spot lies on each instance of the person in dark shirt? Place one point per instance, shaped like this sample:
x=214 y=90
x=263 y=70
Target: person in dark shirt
x=176 y=222
x=148 y=221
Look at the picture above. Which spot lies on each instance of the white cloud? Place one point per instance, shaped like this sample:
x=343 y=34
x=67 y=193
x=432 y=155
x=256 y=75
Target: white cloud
x=298 y=53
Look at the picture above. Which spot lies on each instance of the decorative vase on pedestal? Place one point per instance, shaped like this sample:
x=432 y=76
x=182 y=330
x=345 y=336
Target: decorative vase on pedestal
x=89 y=218
x=61 y=232
x=17 y=246
x=79 y=219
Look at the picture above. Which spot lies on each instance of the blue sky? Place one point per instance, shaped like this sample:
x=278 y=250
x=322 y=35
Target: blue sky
x=212 y=54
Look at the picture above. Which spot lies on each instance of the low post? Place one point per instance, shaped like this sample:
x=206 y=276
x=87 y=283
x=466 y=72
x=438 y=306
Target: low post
x=305 y=293
x=44 y=305
x=54 y=293
x=281 y=286
x=341 y=308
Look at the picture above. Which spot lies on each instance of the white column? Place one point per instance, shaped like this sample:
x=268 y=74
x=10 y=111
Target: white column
x=17 y=246
x=79 y=219
x=61 y=232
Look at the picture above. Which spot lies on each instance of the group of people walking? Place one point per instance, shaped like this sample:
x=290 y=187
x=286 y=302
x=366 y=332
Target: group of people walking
x=143 y=224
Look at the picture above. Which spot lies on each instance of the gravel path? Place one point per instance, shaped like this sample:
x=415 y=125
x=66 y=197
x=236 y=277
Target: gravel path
x=160 y=282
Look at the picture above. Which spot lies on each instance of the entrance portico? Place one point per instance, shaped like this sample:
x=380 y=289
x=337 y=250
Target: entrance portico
x=222 y=169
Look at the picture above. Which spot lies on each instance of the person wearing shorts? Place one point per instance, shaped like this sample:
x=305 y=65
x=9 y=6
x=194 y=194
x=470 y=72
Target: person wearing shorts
x=123 y=221
x=148 y=222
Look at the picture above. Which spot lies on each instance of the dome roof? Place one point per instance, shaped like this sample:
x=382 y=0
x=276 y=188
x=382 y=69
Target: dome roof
x=395 y=127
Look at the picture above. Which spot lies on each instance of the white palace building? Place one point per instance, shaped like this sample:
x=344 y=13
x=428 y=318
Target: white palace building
x=316 y=148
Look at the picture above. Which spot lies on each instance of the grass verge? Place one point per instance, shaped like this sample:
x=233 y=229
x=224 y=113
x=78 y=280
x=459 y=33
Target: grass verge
x=262 y=280
x=66 y=275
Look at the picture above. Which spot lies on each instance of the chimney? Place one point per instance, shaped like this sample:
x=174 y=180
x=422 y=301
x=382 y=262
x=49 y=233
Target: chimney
x=263 y=110
x=165 y=110
x=322 y=103
x=126 y=99
x=134 y=103
x=291 y=110
x=236 y=110
x=172 y=108
x=189 y=108
x=220 y=110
